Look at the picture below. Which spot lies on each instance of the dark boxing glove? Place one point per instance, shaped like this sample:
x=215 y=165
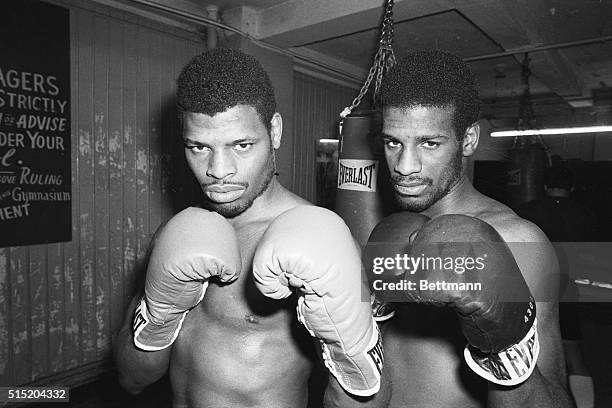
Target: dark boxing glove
x=497 y=317
x=390 y=237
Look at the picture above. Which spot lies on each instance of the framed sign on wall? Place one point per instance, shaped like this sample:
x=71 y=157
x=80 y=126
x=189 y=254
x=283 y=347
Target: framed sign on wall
x=35 y=176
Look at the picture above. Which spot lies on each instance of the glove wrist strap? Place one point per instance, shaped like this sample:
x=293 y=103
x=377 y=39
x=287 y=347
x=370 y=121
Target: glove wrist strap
x=357 y=374
x=357 y=371
x=511 y=366
x=149 y=336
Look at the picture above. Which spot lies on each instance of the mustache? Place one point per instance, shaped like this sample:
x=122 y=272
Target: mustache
x=411 y=180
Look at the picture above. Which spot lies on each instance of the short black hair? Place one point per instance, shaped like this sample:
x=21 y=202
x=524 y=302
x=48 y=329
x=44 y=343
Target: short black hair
x=559 y=177
x=222 y=78
x=433 y=78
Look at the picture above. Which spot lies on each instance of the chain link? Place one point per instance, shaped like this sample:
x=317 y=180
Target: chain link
x=383 y=60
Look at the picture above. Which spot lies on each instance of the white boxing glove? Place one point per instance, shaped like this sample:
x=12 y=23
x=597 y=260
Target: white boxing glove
x=311 y=249
x=194 y=246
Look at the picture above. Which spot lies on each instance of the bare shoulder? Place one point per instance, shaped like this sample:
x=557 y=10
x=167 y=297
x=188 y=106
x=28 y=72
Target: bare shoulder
x=533 y=252
x=513 y=228
x=287 y=199
x=537 y=261
x=281 y=200
x=510 y=226
x=294 y=200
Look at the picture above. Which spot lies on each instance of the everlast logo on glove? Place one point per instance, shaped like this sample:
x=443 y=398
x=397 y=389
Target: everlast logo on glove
x=509 y=367
x=376 y=354
x=139 y=316
x=358 y=175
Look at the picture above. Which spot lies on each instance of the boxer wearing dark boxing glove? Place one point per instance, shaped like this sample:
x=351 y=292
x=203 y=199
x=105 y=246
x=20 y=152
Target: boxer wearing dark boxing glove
x=430 y=109
x=498 y=320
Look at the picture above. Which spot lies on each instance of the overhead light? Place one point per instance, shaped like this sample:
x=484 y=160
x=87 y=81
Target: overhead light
x=551 y=131
x=580 y=103
x=526 y=115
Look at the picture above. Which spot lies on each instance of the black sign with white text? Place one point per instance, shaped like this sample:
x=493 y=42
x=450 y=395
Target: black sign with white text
x=35 y=184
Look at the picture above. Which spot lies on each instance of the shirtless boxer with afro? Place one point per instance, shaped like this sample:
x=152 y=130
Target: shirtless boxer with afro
x=238 y=289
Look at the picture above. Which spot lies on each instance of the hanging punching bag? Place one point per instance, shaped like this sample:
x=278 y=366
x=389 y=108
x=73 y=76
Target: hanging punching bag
x=363 y=193
x=526 y=167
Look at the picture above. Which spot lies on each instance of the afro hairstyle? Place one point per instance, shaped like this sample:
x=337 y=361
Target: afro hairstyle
x=433 y=78
x=222 y=78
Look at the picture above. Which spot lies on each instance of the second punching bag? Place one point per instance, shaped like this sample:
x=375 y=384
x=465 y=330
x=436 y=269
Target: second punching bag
x=526 y=166
x=363 y=195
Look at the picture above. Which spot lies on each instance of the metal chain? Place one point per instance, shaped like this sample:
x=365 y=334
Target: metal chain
x=383 y=60
x=362 y=92
x=387 y=57
x=527 y=118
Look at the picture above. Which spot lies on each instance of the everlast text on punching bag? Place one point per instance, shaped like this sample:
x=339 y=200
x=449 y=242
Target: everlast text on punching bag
x=363 y=196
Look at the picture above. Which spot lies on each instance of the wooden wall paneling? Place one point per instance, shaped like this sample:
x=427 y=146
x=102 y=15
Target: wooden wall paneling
x=307 y=135
x=56 y=306
x=71 y=267
x=61 y=303
x=154 y=133
x=38 y=310
x=316 y=123
x=172 y=140
x=143 y=128
x=299 y=119
x=115 y=168
x=317 y=107
x=314 y=133
x=86 y=199
x=5 y=313
x=101 y=185
x=168 y=126
x=20 y=314
x=129 y=154
x=184 y=189
x=304 y=109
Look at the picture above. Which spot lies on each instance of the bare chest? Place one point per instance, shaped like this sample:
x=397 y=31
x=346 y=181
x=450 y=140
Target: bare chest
x=425 y=344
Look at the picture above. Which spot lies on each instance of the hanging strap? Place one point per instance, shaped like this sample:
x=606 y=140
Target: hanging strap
x=383 y=61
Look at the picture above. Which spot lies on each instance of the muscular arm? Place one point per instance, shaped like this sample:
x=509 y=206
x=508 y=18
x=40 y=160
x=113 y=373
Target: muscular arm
x=136 y=368
x=547 y=386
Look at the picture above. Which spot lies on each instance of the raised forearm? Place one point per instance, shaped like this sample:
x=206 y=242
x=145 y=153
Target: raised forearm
x=536 y=391
x=137 y=368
